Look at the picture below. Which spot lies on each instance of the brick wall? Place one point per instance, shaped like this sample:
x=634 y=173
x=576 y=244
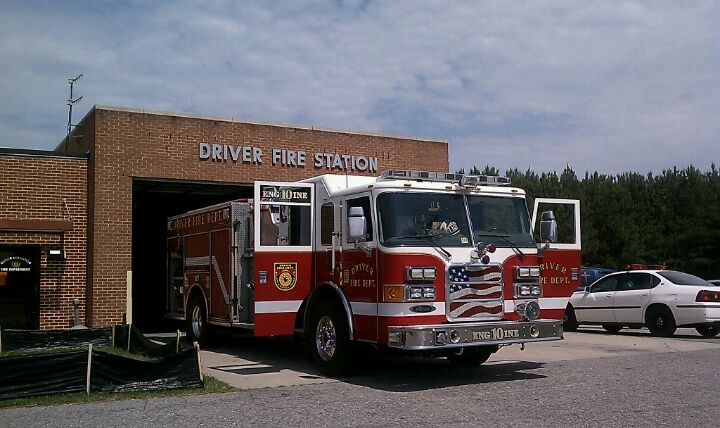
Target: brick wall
x=32 y=187
x=124 y=144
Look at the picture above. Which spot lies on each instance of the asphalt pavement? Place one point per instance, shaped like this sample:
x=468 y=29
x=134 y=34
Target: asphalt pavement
x=591 y=378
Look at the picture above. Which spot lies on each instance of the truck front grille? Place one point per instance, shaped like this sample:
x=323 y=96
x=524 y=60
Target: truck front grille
x=474 y=292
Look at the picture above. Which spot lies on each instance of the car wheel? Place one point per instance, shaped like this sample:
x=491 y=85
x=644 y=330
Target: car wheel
x=612 y=328
x=570 y=321
x=197 y=329
x=470 y=357
x=660 y=322
x=329 y=339
x=708 y=330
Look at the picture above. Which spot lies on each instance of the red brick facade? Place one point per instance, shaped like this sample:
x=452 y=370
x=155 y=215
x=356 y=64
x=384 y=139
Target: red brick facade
x=124 y=144
x=33 y=187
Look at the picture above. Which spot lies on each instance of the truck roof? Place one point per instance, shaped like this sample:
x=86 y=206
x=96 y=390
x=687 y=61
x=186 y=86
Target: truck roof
x=337 y=184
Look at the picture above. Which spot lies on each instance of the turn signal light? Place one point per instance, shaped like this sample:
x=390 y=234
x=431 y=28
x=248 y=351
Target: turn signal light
x=708 y=296
x=394 y=293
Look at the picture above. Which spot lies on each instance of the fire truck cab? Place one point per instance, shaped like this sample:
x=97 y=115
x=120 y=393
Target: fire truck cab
x=441 y=264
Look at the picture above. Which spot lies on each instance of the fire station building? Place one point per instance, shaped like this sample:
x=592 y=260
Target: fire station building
x=82 y=225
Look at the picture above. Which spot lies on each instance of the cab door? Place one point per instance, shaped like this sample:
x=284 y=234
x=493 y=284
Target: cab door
x=596 y=306
x=559 y=260
x=283 y=230
x=359 y=268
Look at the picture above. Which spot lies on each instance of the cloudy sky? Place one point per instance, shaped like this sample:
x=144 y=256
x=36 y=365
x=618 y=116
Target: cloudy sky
x=608 y=86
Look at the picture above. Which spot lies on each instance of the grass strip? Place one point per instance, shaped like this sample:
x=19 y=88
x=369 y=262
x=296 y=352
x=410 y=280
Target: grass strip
x=212 y=385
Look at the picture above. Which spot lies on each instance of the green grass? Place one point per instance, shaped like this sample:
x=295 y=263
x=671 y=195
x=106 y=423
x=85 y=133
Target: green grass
x=212 y=385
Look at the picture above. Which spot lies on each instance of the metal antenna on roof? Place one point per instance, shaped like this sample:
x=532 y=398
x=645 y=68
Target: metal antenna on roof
x=70 y=103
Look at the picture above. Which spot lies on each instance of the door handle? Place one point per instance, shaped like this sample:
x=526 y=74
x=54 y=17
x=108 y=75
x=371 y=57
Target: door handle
x=643 y=294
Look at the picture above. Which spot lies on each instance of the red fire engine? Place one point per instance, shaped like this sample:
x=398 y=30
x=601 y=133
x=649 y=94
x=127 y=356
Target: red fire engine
x=443 y=264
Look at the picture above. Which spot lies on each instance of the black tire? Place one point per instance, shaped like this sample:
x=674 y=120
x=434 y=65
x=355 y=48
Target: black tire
x=708 y=330
x=612 y=328
x=329 y=339
x=570 y=321
x=470 y=357
x=660 y=322
x=197 y=328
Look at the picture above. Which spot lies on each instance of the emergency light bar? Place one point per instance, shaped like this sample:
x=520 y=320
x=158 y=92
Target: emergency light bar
x=642 y=266
x=461 y=179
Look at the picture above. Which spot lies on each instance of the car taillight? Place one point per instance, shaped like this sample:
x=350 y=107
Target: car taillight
x=708 y=296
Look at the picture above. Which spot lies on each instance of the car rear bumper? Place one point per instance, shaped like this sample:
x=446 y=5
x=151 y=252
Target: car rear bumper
x=463 y=335
x=698 y=313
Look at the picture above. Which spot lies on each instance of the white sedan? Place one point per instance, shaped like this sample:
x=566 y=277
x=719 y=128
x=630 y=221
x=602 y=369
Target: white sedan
x=661 y=300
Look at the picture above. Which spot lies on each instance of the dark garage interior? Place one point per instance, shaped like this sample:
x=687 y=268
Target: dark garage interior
x=153 y=202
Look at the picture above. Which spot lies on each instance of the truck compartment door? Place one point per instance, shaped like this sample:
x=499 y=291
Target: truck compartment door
x=284 y=227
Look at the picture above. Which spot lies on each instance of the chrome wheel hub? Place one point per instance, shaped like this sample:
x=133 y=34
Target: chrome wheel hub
x=325 y=338
x=196 y=321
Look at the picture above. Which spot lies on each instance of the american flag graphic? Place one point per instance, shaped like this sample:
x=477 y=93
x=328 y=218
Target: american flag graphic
x=475 y=292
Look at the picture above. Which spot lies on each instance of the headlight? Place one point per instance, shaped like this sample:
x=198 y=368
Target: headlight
x=420 y=292
x=415 y=293
x=528 y=290
x=420 y=273
x=527 y=271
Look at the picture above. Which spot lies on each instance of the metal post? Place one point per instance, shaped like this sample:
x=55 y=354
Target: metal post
x=89 y=367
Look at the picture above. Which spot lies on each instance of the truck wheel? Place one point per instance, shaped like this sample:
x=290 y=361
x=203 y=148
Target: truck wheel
x=660 y=322
x=196 y=318
x=708 y=330
x=329 y=339
x=470 y=357
x=569 y=321
x=611 y=328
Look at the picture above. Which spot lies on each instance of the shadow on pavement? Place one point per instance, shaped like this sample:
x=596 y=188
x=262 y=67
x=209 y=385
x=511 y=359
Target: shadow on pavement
x=642 y=333
x=374 y=369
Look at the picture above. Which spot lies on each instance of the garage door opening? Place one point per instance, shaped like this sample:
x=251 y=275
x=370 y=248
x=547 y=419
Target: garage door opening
x=153 y=202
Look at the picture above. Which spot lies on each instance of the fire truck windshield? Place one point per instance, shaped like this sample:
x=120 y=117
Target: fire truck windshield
x=409 y=219
x=501 y=221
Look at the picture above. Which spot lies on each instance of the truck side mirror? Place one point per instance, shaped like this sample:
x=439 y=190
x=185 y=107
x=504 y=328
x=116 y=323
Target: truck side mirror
x=275 y=215
x=548 y=227
x=357 y=225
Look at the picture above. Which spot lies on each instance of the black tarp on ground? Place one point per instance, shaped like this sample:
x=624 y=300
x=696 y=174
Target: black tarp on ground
x=139 y=344
x=43 y=340
x=115 y=373
x=41 y=374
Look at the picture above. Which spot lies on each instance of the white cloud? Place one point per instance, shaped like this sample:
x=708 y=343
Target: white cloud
x=608 y=86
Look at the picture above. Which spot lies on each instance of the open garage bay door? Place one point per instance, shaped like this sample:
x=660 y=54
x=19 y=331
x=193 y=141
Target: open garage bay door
x=153 y=202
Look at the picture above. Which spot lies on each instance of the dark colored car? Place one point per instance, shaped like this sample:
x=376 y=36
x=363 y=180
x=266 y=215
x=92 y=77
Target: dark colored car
x=592 y=274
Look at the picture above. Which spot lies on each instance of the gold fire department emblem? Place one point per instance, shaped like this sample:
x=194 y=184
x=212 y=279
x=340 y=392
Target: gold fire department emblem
x=285 y=275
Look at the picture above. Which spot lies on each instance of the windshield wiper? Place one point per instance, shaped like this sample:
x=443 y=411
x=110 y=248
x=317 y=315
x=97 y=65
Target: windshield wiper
x=504 y=237
x=427 y=237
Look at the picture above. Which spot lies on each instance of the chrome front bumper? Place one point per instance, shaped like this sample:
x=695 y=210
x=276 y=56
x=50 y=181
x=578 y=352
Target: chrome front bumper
x=463 y=335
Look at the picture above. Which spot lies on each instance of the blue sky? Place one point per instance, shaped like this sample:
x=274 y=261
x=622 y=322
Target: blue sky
x=607 y=86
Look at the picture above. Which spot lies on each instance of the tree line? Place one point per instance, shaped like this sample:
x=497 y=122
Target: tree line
x=672 y=218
